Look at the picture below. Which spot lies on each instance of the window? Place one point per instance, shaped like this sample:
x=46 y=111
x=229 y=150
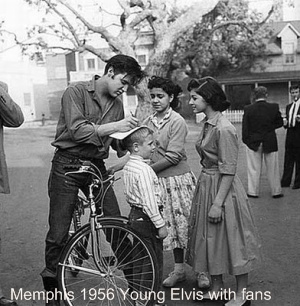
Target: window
x=91 y=64
x=289 y=58
x=27 y=99
x=142 y=59
x=289 y=53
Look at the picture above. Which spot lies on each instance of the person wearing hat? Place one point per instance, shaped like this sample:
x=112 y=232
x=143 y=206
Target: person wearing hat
x=260 y=121
x=10 y=116
x=222 y=236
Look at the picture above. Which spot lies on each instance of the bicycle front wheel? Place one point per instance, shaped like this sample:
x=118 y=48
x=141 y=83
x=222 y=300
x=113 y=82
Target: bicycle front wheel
x=126 y=270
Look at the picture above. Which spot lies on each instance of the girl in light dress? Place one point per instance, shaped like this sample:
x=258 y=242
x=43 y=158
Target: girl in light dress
x=222 y=235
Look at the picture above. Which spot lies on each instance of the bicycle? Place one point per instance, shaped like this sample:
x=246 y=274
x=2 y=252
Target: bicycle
x=105 y=262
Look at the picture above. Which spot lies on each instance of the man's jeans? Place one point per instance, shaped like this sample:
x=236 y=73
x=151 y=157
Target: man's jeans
x=63 y=191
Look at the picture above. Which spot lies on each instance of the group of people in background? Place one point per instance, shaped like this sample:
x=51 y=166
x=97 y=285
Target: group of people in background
x=260 y=121
x=205 y=222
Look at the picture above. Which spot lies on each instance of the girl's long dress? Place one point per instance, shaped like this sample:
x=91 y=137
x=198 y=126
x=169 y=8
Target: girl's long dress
x=177 y=186
x=231 y=246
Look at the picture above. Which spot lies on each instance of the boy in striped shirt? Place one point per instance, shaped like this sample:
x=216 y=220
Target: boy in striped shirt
x=142 y=191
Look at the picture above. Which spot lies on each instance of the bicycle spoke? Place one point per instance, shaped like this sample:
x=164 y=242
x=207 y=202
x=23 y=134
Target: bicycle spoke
x=85 y=270
x=124 y=264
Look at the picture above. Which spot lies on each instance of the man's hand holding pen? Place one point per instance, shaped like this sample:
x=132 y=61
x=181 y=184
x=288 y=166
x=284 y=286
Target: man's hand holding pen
x=128 y=123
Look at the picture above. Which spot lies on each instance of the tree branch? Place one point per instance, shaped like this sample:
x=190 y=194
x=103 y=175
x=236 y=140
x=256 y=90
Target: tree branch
x=98 y=52
x=45 y=46
x=192 y=16
x=126 y=8
x=63 y=17
x=97 y=29
x=228 y=23
x=271 y=11
x=140 y=17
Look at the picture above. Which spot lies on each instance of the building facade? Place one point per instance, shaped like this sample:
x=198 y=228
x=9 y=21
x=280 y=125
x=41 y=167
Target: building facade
x=280 y=70
x=72 y=67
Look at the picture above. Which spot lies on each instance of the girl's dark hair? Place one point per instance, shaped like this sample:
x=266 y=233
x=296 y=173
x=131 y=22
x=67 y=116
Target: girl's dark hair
x=211 y=91
x=167 y=86
x=126 y=64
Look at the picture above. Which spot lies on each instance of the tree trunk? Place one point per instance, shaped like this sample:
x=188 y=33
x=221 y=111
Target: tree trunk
x=144 y=107
x=158 y=65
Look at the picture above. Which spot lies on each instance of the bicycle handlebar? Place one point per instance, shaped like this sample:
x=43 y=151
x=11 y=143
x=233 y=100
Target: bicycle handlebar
x=97 y=182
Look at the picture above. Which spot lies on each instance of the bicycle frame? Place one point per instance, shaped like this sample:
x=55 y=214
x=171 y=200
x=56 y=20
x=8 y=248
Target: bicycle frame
x=97 y=182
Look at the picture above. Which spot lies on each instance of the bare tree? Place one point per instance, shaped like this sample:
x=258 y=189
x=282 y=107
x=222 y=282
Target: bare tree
x=71 y=29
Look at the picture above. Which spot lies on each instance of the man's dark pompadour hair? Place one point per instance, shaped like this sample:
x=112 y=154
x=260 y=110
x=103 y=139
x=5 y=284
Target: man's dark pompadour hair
x=126 y=64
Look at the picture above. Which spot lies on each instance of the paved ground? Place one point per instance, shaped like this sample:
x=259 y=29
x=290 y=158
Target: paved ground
x=23 y=224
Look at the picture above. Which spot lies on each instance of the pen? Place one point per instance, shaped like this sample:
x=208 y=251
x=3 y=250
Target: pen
x=137 y=124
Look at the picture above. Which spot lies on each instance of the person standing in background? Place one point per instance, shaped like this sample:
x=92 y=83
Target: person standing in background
x=292 y=140
x=260 y=121
x=10 y=116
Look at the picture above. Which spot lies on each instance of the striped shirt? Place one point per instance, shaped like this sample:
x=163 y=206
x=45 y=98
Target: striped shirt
x=142 y=189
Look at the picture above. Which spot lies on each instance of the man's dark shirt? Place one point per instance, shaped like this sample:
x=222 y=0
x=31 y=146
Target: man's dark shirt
x=80 y=121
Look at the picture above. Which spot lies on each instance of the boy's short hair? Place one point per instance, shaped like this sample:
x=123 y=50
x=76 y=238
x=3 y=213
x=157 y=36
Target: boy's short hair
x=138 y=135
x=126 y=64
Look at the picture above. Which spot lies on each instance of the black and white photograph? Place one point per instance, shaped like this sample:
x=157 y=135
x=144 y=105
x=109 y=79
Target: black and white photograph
x=149 y=152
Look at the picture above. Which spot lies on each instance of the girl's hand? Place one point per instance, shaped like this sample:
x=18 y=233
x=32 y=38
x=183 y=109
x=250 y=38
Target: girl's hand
x=215 y=214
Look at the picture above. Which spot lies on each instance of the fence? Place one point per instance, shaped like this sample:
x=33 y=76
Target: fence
x=234 y=116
